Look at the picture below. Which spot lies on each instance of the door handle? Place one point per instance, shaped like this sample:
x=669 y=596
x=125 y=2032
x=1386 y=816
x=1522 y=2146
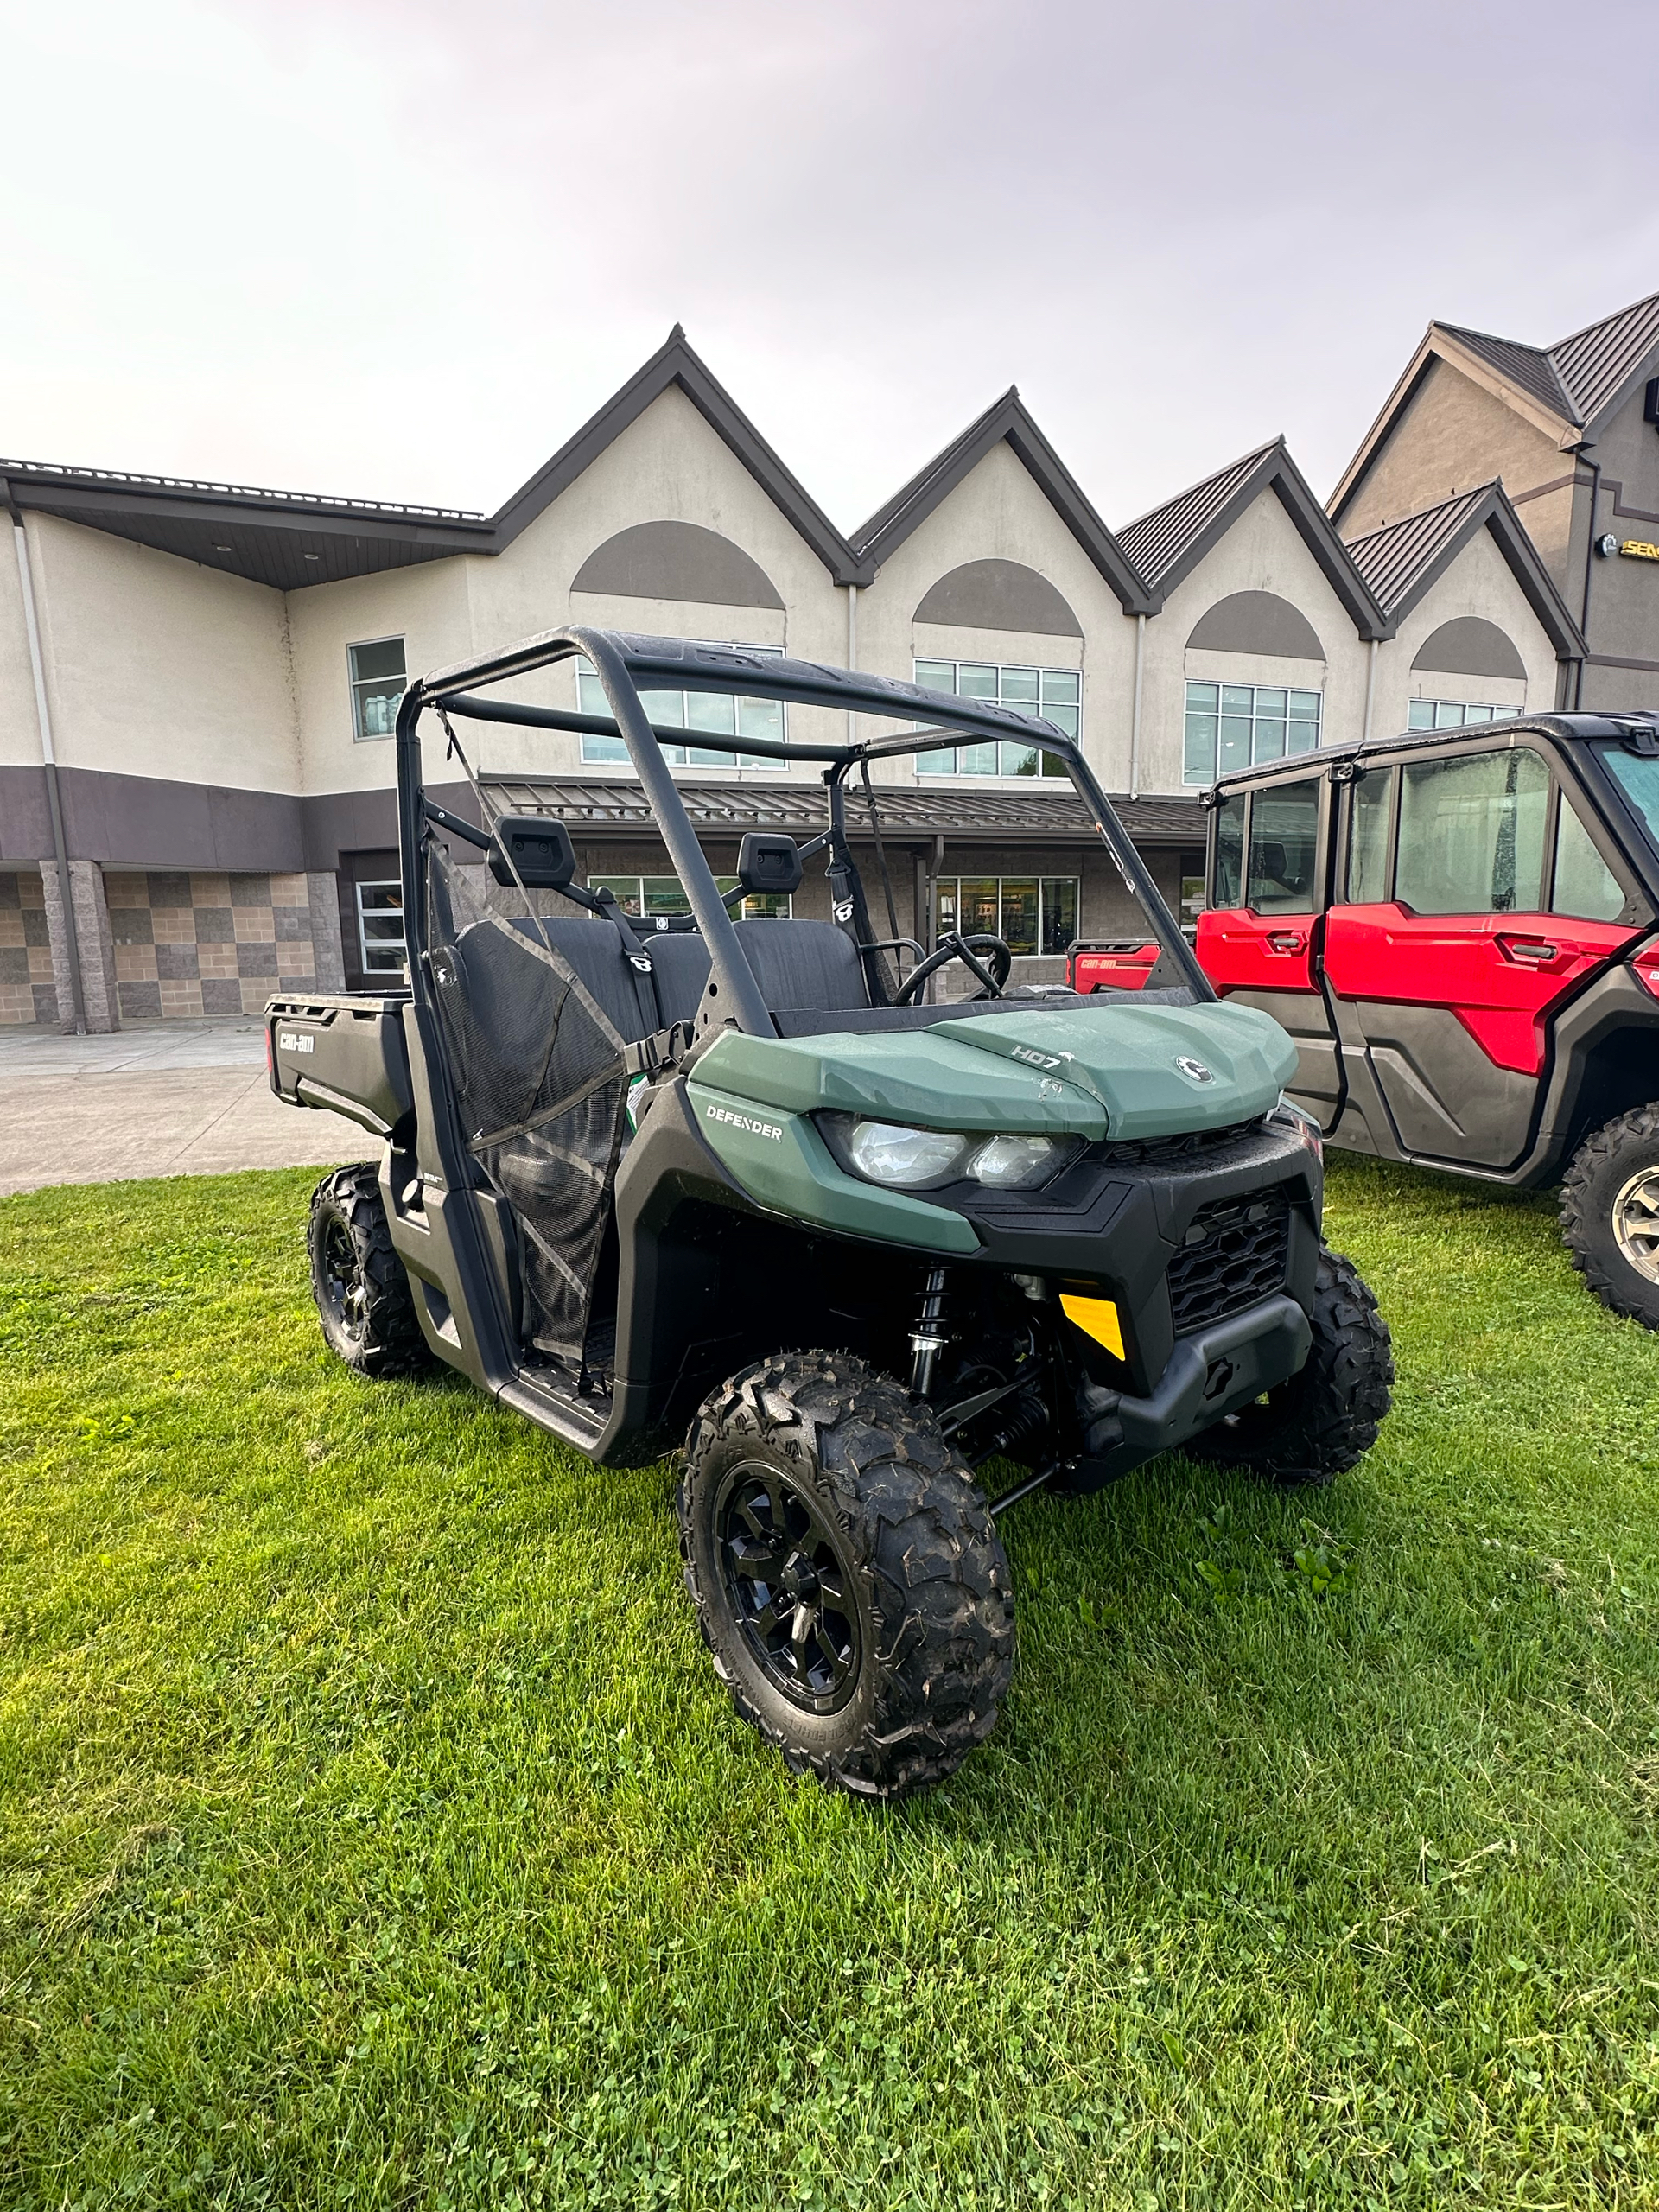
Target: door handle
x=1286 y=941
x=1526 y=951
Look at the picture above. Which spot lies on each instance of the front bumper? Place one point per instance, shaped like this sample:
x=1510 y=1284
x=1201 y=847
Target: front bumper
x=1208 y=1376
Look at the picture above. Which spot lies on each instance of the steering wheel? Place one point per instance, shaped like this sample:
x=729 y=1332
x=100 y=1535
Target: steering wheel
x=953 y=947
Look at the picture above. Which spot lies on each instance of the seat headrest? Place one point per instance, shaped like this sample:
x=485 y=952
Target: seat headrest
x=541 y=849
x=767 y=860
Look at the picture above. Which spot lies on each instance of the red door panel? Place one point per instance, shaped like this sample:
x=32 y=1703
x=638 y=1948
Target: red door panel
x=1499 y=974
x=1122 y=966
x=1240 y=950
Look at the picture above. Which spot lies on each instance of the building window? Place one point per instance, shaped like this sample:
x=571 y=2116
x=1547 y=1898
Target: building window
x=648 y=897
x=380 y=928
x=1451 y=714
x=711 y=714
x=1055 y=693
x=1240 y=725
x=1030 y=913
x=378 y=673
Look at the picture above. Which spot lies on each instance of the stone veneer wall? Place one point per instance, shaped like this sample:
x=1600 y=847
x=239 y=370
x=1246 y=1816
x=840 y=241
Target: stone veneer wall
x=27 y=990
x=198 y=944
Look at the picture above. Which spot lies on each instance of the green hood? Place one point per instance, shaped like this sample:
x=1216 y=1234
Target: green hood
x=1115 y=1069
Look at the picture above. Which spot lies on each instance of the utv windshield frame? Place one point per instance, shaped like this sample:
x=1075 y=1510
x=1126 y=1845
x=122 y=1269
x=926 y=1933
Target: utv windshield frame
x=623 y=662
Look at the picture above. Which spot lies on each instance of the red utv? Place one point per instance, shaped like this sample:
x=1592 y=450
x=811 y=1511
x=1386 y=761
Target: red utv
x=1457 y=927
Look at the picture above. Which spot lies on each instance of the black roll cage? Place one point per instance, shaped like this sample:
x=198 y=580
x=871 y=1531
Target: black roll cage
x=622 y=661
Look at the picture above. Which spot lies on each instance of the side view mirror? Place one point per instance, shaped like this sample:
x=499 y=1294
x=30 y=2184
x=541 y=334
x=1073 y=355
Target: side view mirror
x=541 y=849
x=767 y=860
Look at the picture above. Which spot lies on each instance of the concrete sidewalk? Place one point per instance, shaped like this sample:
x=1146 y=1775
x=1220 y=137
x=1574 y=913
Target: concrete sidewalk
x=165 y=1098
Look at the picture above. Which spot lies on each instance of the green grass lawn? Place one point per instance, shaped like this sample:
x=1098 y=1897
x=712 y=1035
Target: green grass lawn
x=372 y=1831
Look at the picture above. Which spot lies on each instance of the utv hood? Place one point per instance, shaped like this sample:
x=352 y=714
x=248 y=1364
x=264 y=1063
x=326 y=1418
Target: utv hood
x=1115 y=1070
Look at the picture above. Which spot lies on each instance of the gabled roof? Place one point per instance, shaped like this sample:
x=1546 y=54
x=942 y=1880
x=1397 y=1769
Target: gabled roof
x=1598 y=364
x=1402 y=559
x=1565 y=389
x=1529 y=368
x=675 y=365
x=1168 y=543
x=289 y=539
x=1006 y=420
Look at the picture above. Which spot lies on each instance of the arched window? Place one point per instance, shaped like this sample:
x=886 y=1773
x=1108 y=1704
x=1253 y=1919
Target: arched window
x=676 y=560
x=999 y=595
x=1257 y=622
x=1470 y=647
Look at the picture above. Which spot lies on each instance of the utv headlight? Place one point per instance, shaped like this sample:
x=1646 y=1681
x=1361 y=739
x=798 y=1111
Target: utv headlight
x=920 y=1160
x=883 y=1152
x=1011 y=1163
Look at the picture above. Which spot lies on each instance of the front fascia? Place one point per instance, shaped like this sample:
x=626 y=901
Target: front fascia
x=783 y=1165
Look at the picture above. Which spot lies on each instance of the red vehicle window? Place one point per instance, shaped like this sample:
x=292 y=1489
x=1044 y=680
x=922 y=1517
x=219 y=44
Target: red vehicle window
x=1472 y=834
x=1583 y=884
x=1284 y=847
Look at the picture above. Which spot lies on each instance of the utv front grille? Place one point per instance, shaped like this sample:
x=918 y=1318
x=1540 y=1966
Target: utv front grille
x=1151 y=1152
x=1233 y=1255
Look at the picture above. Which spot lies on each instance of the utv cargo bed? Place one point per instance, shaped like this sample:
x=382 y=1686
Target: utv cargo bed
x=347 y=1055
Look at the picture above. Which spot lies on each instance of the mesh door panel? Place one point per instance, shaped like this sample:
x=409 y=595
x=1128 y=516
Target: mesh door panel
x=537 y=1065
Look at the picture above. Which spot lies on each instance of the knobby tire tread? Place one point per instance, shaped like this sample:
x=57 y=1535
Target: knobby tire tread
x=1337 y=1402
x=1587 y=1227
x=921 y=1537
x=392 y=1343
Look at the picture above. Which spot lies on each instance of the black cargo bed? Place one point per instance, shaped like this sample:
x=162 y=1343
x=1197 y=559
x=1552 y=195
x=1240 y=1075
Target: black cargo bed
x=344 y=1054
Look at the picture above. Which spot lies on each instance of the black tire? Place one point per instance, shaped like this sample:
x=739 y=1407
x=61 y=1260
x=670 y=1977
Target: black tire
x=1317 y=1425
x=905 y=1657
x=363 y=1297
x=1609 y=1214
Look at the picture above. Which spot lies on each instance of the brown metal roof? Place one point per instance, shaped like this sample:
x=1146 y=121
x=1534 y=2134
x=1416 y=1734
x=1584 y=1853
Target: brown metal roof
x=612 y=808
x=1529 y=368
x=1159 y=542
x=1597 y=362
x=1392 y=558
x=1577 y=376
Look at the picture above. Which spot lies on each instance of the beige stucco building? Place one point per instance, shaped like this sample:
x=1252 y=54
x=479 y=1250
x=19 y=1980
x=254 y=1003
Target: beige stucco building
x=197 y=681
x=1571 y=431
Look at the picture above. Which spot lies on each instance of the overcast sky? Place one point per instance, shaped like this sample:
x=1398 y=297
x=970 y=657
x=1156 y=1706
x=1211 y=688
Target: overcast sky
x=401 y=251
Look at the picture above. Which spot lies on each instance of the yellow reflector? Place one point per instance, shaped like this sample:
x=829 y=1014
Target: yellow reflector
x=1096 y=1318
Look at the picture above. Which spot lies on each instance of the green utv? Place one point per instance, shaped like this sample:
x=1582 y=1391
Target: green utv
x=743 y=1175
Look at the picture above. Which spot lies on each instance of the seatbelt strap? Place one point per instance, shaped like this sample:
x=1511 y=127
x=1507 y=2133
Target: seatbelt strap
x=638 y=960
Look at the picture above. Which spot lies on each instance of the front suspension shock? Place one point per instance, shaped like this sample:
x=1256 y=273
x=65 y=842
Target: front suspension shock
x=930 y=1337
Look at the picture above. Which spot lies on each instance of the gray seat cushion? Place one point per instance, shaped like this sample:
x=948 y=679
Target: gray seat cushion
x=804 y=964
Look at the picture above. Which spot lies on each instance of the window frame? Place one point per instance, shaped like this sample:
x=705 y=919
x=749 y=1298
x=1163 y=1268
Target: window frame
x=355 y=684
x=1221 y=684
x=1560 y=790
x=754 y=766
x=1057 y=780
x=594 y=877
x=1482 y=707
x=1052 y=875
x=365 y=966
x=1327 y=844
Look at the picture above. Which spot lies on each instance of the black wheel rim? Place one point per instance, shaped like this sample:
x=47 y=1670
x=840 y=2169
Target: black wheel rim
x=342 y=1280
x=790 y=1587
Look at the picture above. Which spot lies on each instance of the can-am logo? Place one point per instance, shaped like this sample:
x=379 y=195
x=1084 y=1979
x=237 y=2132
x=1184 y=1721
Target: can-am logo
x=1035 y=1059
x=290 y=1041
x=744 y=1121
x=1195 y=1070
